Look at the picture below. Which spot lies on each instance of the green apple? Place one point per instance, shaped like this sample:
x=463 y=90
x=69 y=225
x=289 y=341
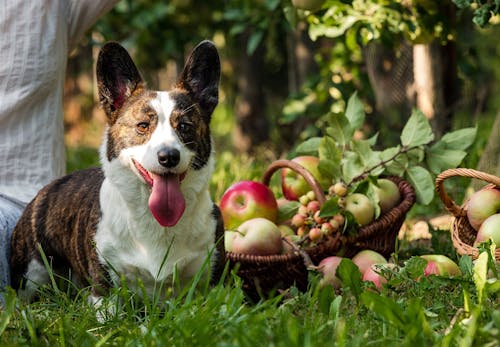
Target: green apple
x=361 y=208
x=257 y=236
x=440 y=265
x=481 y=205
x=388 y=194
x=490 y=229
x=294 y=185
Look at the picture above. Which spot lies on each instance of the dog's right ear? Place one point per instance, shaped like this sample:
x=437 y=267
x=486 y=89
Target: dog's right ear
x=117 y=78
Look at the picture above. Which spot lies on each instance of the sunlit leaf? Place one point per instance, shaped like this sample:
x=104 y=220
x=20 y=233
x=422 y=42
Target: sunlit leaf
x=354 y=112
x=417 y=130
x=422 y=182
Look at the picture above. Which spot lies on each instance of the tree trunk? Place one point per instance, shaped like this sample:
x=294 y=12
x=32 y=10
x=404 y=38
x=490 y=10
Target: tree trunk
x=252 y=126
x=428 y=84
x=490 y=158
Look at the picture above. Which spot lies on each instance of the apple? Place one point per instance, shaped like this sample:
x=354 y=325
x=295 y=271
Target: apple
x=361 y=208
x=490 y=229
x=481 y=205
x=440 y=265
x=245 y=200
x=366 y=258
x=388 y=194
x=328 y=269
x=294 y=185
x=286 y=230
x=257 y=236
x=375 y=274
x=228 y=240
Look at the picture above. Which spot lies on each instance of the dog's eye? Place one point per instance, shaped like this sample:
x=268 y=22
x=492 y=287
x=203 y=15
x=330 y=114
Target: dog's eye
x=142 y=127
x=184 y=126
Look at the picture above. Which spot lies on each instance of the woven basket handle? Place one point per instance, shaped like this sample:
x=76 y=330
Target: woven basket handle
x=448 y=202
x=283 y=163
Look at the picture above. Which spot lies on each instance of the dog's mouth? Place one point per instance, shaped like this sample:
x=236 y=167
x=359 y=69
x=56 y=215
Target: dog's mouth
x=166 y=201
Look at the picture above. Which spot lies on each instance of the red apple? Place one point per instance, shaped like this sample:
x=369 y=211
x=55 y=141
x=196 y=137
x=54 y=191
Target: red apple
x=294 y=185
x=375 y=274
x=490 y=229
x=388 y=194
x=257 y=236
x=481 y=205
x=246 y=200
x=328 y=269
x=366 y=258
x=440 y=265
x=361 y=208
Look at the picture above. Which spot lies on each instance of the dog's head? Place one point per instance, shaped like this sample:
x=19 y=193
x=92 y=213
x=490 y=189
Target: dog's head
x=159 y=135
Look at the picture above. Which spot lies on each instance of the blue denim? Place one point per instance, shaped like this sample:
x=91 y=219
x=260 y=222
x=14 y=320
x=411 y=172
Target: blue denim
x=10 y=211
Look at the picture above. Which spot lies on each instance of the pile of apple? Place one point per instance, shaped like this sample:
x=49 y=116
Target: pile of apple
x=483 y=213
x=372 y=265
x=250 y=211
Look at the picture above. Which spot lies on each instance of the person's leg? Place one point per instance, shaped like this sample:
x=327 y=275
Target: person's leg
x=10 y=211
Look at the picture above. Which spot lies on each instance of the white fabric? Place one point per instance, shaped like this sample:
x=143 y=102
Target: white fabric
x=35 y=39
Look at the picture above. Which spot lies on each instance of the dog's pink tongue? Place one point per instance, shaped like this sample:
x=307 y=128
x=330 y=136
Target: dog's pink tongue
x=166 y=201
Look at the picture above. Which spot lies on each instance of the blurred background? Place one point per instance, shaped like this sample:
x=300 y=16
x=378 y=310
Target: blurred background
x=286 y=64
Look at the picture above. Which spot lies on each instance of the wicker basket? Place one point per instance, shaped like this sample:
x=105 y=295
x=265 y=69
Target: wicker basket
x=463 y=234
x=264 y=274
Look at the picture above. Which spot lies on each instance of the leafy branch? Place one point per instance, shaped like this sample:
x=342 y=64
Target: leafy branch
x=418 y=158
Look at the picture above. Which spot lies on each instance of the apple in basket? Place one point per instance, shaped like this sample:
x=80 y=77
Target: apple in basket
x=388 y=194
x=490 y=229
x=245 y=200
x=294 y=185
x=481 y=205
x=366 y=258
x=361 y=208
x=440 y=265
x=257 y=236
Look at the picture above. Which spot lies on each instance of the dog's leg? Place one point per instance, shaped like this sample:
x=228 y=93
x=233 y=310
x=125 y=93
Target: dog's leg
x=219 y=254
x=36 y=275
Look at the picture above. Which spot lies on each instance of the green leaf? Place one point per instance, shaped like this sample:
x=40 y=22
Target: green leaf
x=386 y=308
x=460 y=139
x=309 y=146
x=350 y=276
x=367 y=156
x=351 y=166
x=330 y=208
x=254 y=41
x=328 y=149
x=8 y=309
x=332 y=31
x=422 y=182
x=415 y=267
x=480 y=274
x=417 y=130
x=287 y=211
x=329 y=170
x=439 y=158
x=354 y=112
x=339 y=129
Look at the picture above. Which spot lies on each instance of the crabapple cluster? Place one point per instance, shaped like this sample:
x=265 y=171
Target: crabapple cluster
x=307 y=220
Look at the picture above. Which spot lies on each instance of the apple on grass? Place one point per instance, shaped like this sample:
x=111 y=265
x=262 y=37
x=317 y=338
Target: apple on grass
x=258 y=236
x=375 y=274
x=489 y=229
x=388 y=194
x=366 y=258
x=294 y=185
x=440 y=265
x=328 y=269
x=481 y=205
x=245 y=200
x=361 y=208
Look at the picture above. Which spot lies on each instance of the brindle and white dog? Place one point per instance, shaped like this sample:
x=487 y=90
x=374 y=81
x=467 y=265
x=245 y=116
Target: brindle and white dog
x=147 y=213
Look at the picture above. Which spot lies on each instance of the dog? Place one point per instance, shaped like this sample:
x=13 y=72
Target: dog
x=146 y=214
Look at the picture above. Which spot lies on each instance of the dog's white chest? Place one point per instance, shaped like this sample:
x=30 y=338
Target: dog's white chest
x=132 y=244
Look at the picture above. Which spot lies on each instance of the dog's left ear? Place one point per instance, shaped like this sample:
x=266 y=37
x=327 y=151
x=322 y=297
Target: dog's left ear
x=201 y=75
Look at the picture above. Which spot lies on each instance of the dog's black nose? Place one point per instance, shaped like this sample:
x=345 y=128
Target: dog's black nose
x=169 y=157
